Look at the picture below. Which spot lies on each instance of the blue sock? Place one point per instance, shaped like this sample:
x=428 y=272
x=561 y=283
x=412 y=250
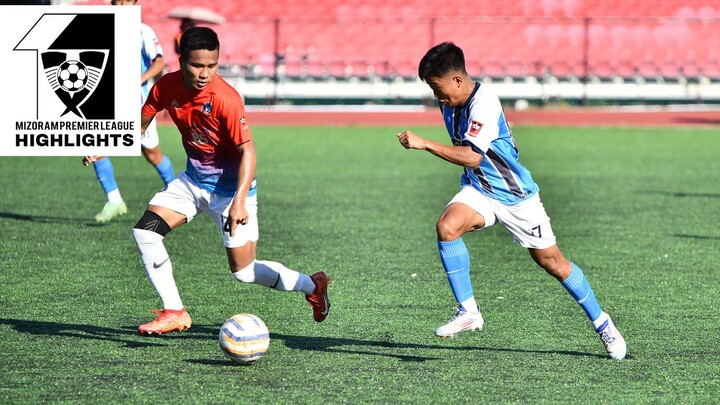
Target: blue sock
x=106 y=174
x=577 y=285
x=165 y=170
x=456 y=261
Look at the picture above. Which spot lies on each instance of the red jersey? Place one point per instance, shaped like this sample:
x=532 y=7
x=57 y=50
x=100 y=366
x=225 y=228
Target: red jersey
x=212 y=124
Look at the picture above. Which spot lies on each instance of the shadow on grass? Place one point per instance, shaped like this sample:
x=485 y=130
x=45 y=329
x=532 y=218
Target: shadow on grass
x=315 y=343
x=698 y=237
x=328 y=344
x=49 y=220
x=359 y=346
x=680 y=194
x=129 y=337
x=79 y=331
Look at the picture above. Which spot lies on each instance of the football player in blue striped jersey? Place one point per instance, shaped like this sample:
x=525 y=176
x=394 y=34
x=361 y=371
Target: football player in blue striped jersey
x=151 y=65
x=494 y=187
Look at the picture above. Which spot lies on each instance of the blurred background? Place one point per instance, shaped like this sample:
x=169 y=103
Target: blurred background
x=537 y=53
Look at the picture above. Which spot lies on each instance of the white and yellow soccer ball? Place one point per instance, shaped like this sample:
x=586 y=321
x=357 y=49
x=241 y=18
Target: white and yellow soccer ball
x=244 y=338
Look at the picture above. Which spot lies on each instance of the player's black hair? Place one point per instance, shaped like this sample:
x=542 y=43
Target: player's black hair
x=440 y=59
x=195 y=38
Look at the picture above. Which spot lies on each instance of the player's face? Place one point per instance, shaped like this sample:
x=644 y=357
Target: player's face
x=447 y=89
x=200 y=68
x=123 y=2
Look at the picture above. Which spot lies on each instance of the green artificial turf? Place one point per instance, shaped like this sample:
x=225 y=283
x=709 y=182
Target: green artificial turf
x=636 y=208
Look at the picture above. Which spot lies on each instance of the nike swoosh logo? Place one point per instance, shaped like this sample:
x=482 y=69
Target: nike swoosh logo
x=157 y=266
x=327 y=306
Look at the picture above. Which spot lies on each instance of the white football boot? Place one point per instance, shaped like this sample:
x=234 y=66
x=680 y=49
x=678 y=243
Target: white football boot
x=461 y=322
x=110 y=211
x=611 y=338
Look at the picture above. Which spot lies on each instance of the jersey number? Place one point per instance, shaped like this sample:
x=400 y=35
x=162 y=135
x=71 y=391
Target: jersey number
x=199 y=137
x=536 y=231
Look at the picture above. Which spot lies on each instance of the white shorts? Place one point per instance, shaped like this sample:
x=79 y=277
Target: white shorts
x=186 y=197
x=150 y=138
x=527 y=221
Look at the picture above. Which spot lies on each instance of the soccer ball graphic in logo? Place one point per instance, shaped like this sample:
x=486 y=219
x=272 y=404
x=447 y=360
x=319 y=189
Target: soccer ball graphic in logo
x=72 y=75
x=244 y=338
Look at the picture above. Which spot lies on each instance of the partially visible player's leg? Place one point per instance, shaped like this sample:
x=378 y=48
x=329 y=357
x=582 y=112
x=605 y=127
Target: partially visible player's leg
x=149 y=233
x=161 y=162
x=573 y=279
x=465 y=213
x=454 y=255
x=268 y=273
x=570 y=276
x=530 y=226
x=244 y=266
x=115 y=205
x=167 y=210
x=150 y=142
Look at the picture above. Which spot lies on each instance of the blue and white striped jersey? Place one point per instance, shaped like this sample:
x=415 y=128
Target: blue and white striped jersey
x=149 y=50
x=480 y=123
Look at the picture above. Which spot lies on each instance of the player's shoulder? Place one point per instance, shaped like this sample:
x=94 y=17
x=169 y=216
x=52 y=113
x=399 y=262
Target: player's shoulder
x=172 y=76
x=485 y=98
x=171 y=80
x=146 y=31
x=222 y=86
x=226 y=93
x=486 y=91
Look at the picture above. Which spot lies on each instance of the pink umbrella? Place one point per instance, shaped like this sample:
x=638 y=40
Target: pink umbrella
x=198 y=14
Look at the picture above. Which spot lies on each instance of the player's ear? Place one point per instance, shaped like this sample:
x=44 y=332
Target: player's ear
x=458 y=80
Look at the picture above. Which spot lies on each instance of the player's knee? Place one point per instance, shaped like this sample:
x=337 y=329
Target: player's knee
x=245 y=274
x=447 y=229
x=150 y=223
x=553 y=264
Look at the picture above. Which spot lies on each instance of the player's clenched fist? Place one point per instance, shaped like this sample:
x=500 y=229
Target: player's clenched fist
x=91 y=159
x=410 y=140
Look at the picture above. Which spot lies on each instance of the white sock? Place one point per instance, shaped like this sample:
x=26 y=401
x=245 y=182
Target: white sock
x=470 y=305
x=275 y=275
x=158 y=267
x=601 y=320
x=114 y=196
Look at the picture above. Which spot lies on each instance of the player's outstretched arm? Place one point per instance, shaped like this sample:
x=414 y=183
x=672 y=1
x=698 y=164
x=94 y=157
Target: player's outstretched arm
x=460 y=155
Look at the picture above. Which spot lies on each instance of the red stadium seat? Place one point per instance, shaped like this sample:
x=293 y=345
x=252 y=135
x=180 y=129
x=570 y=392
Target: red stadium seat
x=602 y=70
x=711 y=69
x=518 y=38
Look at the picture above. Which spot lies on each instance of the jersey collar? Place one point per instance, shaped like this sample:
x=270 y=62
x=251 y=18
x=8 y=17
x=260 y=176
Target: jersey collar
x=467 y=102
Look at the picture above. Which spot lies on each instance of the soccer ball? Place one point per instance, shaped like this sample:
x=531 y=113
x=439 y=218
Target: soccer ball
x=72 y=75
x=244 y=338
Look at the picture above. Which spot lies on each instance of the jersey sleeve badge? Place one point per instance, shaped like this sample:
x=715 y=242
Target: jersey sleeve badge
x=475 y=128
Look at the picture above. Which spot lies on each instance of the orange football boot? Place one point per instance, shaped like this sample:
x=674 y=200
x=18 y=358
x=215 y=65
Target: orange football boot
x=168 y=320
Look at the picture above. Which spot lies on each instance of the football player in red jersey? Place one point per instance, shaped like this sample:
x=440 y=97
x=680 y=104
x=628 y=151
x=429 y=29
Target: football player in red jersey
x=219 y=180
